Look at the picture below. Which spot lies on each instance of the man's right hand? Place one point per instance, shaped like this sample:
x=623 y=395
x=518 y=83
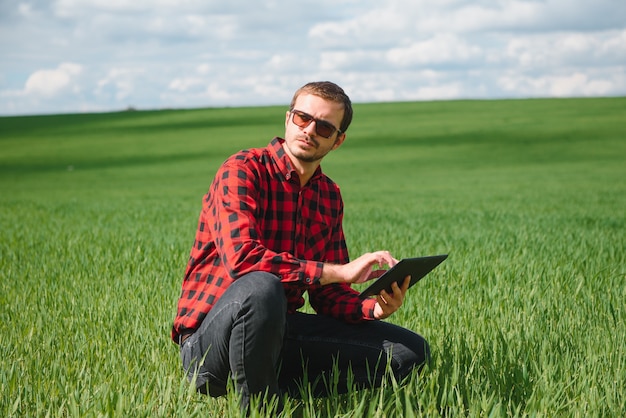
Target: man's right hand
x=359 y=270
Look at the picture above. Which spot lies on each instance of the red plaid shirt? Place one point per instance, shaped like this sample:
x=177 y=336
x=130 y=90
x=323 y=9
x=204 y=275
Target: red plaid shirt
x=257 y=217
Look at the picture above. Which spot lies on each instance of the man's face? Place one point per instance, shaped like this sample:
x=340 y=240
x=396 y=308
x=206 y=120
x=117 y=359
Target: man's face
x=304 y=144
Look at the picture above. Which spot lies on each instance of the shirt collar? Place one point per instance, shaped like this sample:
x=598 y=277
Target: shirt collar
x=283 y=162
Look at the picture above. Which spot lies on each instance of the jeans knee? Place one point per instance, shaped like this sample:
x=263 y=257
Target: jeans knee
x=265 y=295
x=411 y=354
x=420 y=352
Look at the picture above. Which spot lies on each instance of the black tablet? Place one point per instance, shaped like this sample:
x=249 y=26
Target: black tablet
x=417 y=268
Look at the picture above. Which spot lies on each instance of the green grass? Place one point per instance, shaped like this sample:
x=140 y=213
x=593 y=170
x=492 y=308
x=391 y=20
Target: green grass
x=526 y=317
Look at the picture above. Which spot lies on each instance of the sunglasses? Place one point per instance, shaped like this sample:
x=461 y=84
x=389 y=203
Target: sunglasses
x=322 y=128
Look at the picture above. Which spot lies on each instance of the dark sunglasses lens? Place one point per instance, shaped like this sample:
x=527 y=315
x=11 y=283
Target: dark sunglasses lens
x=324 y=129
x=301 y=119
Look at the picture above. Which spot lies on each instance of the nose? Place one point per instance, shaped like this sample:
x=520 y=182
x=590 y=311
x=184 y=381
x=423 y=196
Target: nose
x=309 y=129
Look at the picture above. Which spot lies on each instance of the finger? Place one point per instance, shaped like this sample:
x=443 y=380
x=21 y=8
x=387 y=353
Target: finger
x=385 y=257
x=384 y=297
x=385 y=304
x=406 y=284
x=398 y=295
x=393 y=300
x=400 y=288
x=395 y=289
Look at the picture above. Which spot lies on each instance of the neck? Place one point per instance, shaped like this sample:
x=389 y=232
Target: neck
x=305 y=170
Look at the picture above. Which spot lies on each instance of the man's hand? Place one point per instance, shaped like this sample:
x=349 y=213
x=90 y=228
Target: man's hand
x=388 y=303
x=359 y=270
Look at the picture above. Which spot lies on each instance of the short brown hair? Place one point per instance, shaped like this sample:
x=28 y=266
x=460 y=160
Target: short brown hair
x=328 y=91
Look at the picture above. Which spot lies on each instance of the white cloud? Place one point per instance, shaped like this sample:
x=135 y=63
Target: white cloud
x=80 y=8
x=554 y=50
x=568 y=82
x=52 y=82
x=183 y=85
x=373 y=28
x=119 y=83
x=439 y=92
x=25 y=10
x=441 y=49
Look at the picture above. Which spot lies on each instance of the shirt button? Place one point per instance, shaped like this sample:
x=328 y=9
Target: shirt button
x=309 y=280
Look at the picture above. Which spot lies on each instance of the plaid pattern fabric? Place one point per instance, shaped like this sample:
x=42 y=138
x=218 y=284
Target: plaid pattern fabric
x=257 y=217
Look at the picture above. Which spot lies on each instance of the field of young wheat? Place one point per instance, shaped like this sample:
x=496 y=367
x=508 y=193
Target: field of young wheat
x=525 y=318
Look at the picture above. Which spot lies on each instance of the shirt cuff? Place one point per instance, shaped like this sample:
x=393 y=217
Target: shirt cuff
x=312 y=272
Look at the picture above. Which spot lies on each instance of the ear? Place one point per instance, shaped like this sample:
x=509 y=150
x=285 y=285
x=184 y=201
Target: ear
x=287 y=114
x=340 y=138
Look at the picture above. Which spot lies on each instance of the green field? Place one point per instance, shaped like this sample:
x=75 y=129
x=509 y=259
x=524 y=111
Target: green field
x=527 y=316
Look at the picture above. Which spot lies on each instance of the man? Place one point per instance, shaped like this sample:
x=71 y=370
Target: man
x=270 y=229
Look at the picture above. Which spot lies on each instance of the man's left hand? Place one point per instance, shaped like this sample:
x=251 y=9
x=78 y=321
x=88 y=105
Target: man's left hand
x=388 y=303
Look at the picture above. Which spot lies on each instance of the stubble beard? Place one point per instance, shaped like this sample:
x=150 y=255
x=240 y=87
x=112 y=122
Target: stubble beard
x=306 y=157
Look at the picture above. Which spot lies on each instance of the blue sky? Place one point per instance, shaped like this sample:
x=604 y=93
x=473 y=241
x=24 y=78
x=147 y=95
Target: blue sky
x=59 y=56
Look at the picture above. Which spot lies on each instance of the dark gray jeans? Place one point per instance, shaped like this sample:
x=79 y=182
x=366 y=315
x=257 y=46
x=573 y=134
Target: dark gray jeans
x=248 y=337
